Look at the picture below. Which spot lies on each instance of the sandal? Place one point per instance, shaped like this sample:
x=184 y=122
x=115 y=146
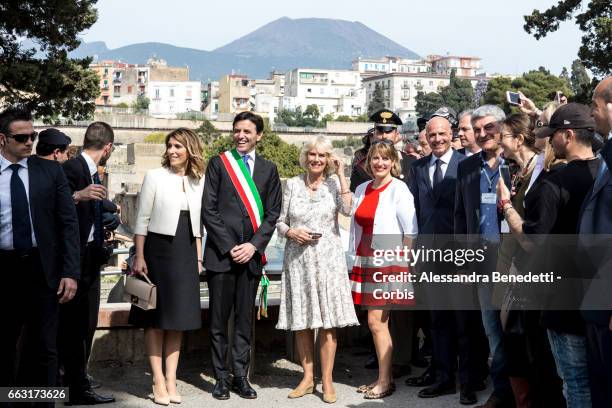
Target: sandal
x=362 y=389
x=372 y=395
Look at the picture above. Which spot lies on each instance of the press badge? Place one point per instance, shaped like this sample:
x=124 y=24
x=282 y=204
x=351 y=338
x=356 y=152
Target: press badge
x=488 y=198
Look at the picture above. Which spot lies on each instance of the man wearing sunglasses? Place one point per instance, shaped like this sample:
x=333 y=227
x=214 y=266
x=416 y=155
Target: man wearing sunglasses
x=79 y=318
x=39 y=253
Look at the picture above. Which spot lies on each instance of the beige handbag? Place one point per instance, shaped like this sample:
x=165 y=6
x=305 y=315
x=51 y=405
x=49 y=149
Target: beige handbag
x=140 y=293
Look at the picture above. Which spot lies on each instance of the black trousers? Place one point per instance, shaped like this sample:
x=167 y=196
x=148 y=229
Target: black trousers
x=234 y=289
x=599 y=359
x=452 y=333
x=29 y=306
x=77 y=323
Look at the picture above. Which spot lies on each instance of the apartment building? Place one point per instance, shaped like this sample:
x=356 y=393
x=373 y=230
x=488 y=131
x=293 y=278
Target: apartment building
x=368 y=67
x=464 y=66
x=336 y=92
x=400 y=89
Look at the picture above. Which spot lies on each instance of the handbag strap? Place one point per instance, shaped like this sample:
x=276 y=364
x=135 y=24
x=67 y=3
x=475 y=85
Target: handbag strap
x=147 y=279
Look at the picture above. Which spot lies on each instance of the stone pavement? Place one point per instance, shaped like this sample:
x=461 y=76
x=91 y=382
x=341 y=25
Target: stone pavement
x=275 y=378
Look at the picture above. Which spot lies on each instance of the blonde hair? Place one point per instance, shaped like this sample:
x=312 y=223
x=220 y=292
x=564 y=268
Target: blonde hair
x=191 y=141
x=323 y=144
x=549 y=154
x=386 y=151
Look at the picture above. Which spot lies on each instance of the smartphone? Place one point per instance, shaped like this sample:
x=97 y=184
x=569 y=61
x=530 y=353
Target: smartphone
x=504 y=172
x=513 y=98
x=315 y=235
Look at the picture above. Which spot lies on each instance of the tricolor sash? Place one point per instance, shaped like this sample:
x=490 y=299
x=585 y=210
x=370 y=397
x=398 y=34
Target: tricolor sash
x=244 y=185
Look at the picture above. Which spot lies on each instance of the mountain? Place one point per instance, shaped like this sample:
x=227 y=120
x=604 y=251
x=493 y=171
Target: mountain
x=281 y=45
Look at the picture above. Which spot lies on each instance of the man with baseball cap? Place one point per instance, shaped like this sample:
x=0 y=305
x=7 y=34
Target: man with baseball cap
x=557 y=212
x=53 y=145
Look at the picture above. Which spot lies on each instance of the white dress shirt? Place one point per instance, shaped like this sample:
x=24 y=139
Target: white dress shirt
x=446 y=157
x=6 y=209
x=93 y=168
x=251 y=160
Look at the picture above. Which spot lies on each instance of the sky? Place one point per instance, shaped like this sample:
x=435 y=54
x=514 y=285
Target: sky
x=491 y=30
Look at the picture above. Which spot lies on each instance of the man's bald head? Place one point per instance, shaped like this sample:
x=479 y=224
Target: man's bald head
x=601 y=108
x=439 y=135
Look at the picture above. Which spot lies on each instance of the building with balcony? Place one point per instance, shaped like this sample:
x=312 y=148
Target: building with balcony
x=336 y=92
x=167 y=98
x=368 y=67
x=464 y=66
x=400 y=89
x=235 y=94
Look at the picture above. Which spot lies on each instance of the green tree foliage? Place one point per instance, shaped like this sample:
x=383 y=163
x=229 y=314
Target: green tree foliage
x=309 y=117
x=565 y=75
x=207 y=132
x=377 y=102
x=594 y=17
x=458 y=94
x=122 y=105
x=428 y=103
x=271 y=147
x=35 y=71
x=155 y=137
x=581 y=83
x=141 y=104
x=537 y=85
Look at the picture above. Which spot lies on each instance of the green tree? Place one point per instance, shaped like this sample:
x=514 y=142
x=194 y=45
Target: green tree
x=122 y=105
x=458 y=94
x=428 y=103
x=35 y=71
x=141 y=104
x=377 y=102
x=271 y=147
x=537 y=85
x=312 y=111
x=581 y=83
x=565 y=75
x=207 y=132
x=594 y=18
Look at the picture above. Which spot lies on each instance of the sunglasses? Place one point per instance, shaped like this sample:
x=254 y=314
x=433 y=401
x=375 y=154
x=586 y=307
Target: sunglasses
x=385 y=129
x=383 y=141
x=23 y=138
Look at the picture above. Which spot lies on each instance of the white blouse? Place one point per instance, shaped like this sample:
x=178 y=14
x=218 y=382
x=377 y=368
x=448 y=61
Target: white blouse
x=395 y=215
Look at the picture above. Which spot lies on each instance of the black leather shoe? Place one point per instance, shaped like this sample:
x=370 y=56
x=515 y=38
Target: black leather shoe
x=419 y=361
x=241 y=386
x=372 y=362
x=436 y=390
x=467 y=396
x=400 y=370
x=424 y=380
x=89 y=397
x=93 y=384
x=221 y=390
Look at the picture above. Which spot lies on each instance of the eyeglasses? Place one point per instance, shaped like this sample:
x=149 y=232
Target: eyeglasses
x=23 y=138
x=383 y=141
x=385 y=129
x=507 y=135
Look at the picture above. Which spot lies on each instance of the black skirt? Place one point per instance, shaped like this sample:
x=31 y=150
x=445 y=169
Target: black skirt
x=172 y=262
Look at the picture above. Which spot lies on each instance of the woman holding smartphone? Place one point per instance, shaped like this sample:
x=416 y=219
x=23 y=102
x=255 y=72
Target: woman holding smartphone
x=315 y=289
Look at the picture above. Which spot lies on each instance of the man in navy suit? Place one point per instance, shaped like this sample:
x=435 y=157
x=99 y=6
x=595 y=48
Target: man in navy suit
x=39 y=253
x=596 y=218
x=433 y=185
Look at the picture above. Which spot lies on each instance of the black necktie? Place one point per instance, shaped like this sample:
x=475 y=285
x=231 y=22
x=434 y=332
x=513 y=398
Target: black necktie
x=437 y=176
x=22 y=231
x=98 y=226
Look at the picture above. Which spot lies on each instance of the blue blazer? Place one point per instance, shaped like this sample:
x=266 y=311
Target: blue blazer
x=434 y=206
x=596 y=218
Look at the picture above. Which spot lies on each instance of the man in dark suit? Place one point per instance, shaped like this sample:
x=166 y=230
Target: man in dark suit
x=37 y=222
x=433 y=185
x=476 y=214
x=79 y=318
x=238 y=233
x=596 y=218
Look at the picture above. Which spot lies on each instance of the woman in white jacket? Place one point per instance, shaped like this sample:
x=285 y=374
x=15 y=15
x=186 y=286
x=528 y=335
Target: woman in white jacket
x=168 y=245
x=384 y=219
